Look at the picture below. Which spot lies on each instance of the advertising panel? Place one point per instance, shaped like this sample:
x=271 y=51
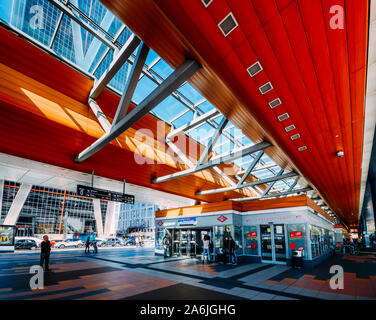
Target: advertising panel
x=7 y=234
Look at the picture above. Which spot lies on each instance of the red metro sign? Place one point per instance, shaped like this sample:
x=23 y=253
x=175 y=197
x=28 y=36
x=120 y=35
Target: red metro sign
x=222 y=219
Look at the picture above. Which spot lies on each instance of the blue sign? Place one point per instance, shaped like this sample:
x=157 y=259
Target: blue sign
x=187 y=221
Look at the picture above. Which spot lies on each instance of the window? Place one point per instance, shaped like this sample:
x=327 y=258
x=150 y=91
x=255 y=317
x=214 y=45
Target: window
x=251 y=241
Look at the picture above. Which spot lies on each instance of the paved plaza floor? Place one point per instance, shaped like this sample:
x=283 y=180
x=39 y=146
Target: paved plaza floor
x=136 y=273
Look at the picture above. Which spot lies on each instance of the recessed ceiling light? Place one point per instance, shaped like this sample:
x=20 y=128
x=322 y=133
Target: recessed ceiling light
x=289 y=128
x=275 y=103
x=228 y=24
x=254 y=69
x=295 y=136
x=266 y=88
x=206 y=2
x=283 y=116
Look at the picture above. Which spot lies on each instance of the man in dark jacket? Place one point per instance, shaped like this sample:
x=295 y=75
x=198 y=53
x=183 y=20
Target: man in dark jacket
x=231 y=248
x=45 y=253
x=87 y=245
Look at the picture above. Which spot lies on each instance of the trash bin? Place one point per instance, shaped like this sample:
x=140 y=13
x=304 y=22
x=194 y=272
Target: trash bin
x=297 y=258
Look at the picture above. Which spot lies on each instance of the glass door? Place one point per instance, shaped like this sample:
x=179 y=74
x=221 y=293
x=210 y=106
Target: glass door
x=192 y=243
x=175 y=242
x=266 y=243
x=184 y=249
x=279 y=242
x=273 y=243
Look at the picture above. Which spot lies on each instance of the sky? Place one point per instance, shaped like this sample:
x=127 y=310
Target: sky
x=5 y=7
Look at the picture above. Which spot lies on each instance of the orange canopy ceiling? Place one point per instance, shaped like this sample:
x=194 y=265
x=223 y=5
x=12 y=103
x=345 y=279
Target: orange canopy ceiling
x=319 y=73
x=45 y=117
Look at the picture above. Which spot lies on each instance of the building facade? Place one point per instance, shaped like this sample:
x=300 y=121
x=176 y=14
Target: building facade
x=137 y=218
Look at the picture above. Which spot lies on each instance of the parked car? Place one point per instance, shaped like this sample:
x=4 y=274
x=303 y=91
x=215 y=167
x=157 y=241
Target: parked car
x=25 y=244
x=130 y=241
x=61 y=244
x=37 y=240
x=74 y=243
x=112 y=242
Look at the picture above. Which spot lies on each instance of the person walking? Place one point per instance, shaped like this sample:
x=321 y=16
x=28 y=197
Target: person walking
x=45 y=253
x=87 y=245
x=231 y=248
x=95 y=247
x=206 y=248
x=166 y=245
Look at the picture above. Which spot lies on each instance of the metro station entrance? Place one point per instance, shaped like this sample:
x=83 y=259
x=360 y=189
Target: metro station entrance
x=273 y=243
x=188 y=242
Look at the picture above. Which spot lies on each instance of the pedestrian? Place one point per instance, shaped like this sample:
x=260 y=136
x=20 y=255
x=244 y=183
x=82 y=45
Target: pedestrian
x=166 y=245
x=87 y=245
x=206 y=248
x=45 y=252
x=231 y=248
x=95 y=248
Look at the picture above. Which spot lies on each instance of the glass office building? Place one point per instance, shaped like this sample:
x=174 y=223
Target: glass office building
x=137 y=218
x=55 y=211
x=51 y=211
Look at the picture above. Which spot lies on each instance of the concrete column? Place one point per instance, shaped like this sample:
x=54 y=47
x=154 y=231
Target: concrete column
x=17 y=204
x=98 y=216
x=109 y=218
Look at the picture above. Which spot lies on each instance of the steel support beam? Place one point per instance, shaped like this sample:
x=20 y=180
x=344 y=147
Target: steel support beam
x=218 y=161
x=270 y=185
x=250 y=168
x=121 y=58
x=249 y=184
x=212 y=141
x=293 y=185
x=174 y=81
x=106 y=125
x=117 y=36
x=66 y=10
x=131 y=84
x=195 y=123
x=281 y=194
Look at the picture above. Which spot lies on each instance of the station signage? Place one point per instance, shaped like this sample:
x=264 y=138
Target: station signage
x=90 y=192
x=252 y=235
x=296 y=235
x=187 y=222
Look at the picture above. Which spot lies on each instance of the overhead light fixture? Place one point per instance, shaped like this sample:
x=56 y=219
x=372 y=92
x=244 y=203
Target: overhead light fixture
x=254 y=69
x=283 y=116
x=289 y=128
x=228 y=24
x=206 y=2
x=275 y=103
x=266 y=88
x=295 y=136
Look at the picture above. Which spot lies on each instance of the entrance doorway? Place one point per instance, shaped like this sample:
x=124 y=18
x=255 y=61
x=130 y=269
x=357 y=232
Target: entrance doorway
x=273 y=243
x=187 y=242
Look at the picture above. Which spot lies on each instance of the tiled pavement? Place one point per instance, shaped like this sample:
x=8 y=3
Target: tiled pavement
x=135 y=273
